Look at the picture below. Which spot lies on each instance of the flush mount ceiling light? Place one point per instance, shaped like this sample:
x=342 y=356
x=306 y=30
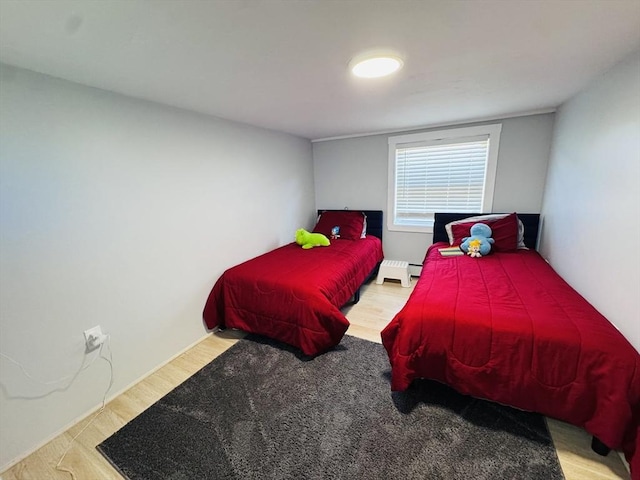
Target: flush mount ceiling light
x=373 y=66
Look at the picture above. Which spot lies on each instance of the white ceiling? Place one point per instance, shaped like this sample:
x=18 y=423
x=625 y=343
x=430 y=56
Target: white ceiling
x=282 y=64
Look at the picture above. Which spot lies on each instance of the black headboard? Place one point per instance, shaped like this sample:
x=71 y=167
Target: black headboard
x=374 y=220
x=531 y=222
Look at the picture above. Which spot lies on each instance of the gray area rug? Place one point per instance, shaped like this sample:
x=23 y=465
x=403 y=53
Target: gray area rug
x=263 y=411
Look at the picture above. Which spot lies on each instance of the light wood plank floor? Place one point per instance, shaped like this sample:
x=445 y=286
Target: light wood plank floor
x=378 y=304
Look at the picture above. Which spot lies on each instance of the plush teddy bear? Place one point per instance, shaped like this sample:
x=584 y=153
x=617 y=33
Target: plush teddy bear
x=474 y=248
x=309 y=240
x=480 y=232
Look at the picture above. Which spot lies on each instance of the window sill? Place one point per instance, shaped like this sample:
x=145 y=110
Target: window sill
x=409 y=228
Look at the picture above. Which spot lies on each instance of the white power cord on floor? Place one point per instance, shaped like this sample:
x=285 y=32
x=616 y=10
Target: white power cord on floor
x=83 y=367
x=100 y=410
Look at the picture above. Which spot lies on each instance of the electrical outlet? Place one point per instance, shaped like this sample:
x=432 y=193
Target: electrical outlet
x=93 y=338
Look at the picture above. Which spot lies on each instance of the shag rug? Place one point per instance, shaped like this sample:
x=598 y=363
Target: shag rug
x=261 y=410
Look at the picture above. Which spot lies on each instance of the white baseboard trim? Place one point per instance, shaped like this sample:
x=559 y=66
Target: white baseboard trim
x=624 y=461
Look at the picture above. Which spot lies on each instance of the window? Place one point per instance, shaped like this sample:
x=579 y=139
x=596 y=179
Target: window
x=441 y=171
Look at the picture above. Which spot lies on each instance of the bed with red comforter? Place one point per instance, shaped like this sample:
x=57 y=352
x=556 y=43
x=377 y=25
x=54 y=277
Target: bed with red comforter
x=507 y=328
x=294 y=295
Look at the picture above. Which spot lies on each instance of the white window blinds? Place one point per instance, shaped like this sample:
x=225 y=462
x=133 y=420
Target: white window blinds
x=439 y=176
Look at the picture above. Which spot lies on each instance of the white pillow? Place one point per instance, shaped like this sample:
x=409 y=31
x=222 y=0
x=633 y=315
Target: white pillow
x=479 y=218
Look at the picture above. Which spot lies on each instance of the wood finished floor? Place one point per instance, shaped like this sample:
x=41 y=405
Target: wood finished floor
x=378 y=304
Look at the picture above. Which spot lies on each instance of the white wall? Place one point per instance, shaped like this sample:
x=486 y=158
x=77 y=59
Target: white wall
x=592 y=200
x=121 y=213
x=353 y=172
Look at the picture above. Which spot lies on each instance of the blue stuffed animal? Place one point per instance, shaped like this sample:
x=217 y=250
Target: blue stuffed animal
x=480 y=232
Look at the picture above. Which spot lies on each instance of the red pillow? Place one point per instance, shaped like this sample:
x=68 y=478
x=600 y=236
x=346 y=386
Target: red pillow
x=503 y=230
x=351 y=224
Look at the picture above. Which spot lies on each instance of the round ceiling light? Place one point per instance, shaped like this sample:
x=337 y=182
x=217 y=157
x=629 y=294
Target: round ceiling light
x=373 y=66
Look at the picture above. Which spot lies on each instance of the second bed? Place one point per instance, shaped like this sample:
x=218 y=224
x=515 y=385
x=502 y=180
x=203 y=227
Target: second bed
x=507 y=328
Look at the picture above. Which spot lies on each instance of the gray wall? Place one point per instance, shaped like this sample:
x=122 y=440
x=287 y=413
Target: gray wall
x=121 y=213
x=353 y=173
x=592 y=198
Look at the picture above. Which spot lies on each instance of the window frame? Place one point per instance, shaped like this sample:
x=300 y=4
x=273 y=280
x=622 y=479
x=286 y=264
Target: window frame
x=453 y=134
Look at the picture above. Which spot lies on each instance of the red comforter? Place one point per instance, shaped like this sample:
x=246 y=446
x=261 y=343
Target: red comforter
x=507 y=328
x=294 y=295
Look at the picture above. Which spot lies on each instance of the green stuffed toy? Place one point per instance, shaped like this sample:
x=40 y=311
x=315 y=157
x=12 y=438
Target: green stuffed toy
x=310 y=240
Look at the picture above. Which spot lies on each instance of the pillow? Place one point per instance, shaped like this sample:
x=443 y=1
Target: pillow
x=521 y=244
x=504 y=231
x=352 y=224
x=484 y=218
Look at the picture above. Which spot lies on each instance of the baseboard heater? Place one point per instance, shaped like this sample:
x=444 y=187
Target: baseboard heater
x=415 y=269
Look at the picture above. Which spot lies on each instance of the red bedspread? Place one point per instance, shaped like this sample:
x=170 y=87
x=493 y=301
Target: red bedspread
x=507 y=328
x=294 y=295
